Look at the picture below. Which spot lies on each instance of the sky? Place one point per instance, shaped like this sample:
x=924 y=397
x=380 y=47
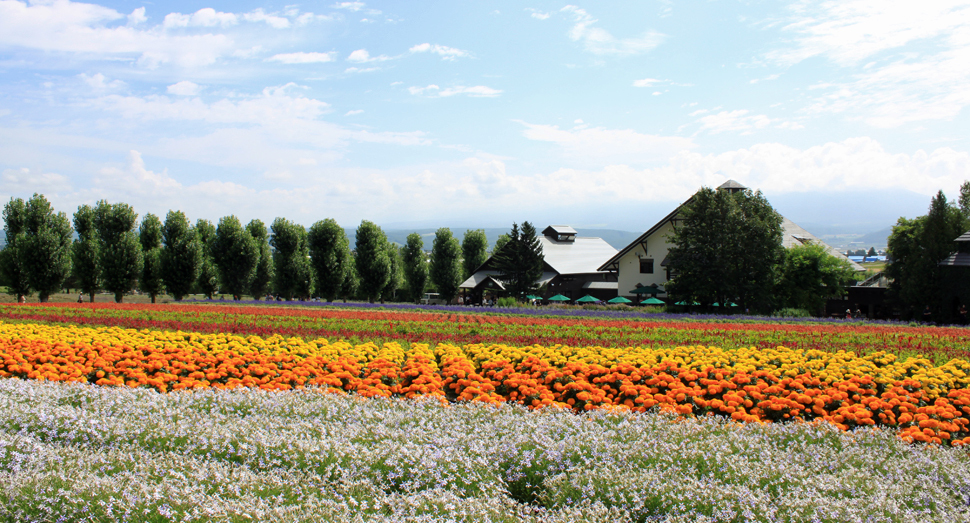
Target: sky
x=603 y=114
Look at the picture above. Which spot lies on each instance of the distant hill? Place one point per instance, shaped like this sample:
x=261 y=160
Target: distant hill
x=618 y=239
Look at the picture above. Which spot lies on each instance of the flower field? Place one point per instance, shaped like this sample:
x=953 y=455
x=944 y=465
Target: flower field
x=747 y=378
x=938 y=344
x=83 y=453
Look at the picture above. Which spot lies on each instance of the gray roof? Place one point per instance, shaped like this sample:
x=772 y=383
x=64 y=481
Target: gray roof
x=957 y=259
x=731 y=184
x=793 y=235
x=584 y=255
x=965 y=237
x=580 y=256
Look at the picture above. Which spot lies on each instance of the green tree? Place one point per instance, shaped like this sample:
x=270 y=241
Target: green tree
x=38 y=248
x=150 y=236
x=871 y=252
x=294 y=275
x=396 y=279
x=236 y=256
x=264 y=269
x=330 y=256
x=964 y=199
x=181 y=255
x=415 y=267
x=120 y=250
x=520 y=261
x=474 y=249
x=445 y=267
x=725 y=248
x=351 y=285
x=500 y=242
x=809 y=275
x=11 y=260
x=85 y=253
x=372 y=261
x=915 y=249
x=208 y=282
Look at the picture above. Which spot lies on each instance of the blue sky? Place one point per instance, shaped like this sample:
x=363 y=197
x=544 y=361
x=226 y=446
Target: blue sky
x=481 y=113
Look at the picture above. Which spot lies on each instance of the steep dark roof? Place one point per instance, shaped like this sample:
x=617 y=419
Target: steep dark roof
x=731 y=184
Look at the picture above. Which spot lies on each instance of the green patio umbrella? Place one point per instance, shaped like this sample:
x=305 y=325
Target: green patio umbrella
x=621 y=299
x=587 y=299
x=653 y=301
x=559 y=297
x=533 y=297
x=682 y=303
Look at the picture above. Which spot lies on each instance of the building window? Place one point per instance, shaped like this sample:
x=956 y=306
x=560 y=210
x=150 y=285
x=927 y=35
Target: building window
x=646 y=266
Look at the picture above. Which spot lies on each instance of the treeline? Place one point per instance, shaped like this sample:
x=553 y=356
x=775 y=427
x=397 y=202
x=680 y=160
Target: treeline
x=115 y=253
x=920 y=287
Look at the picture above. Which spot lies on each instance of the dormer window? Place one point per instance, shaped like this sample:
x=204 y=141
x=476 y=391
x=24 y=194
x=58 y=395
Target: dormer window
x=560 y=233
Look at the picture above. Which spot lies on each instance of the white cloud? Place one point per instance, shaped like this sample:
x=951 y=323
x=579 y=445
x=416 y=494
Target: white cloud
x=135 y=179
x=353 y=112
x=445 y=52
x=361 y=56
x=909 y=64
x=301 y=58
x=72 y=27
x=27 y=181
x=276 y=22
x=477 y=91
x=598 y=41
x=738 y=120
x=353 y=70
x=137 y=16
x=598 y=144
x=646 y=82
x=538 y=15
x=184 y=88
x=206 y=17
x=99 y=82
x=356 y=7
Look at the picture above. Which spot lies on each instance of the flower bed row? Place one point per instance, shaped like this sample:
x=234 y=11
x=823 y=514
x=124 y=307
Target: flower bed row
x=922 y=401
x=935 y=343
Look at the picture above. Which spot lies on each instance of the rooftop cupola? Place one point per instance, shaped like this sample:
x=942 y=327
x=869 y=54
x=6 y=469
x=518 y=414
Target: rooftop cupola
x=731 y=186
x=560 y=233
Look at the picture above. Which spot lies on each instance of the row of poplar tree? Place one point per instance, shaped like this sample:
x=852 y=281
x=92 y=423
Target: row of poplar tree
x=115 y=253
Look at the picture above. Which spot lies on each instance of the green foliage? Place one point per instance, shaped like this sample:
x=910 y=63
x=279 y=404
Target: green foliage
x=789 y=312
x=181 y=257
x=500 y=242
x=330 y=256
x=809 y=275
x=38 y=252
x=473 y=251
x=120 y=249
x=415 y=267
x=520 y=261
x=372 y=261
x=445 y=269
x=725 y=248
x=236 y=256
x=294 y=275
x=208 y=282
x=915 y=249
x=264 y=268
x=396 y=279
x=150 y=236
x=351 y=284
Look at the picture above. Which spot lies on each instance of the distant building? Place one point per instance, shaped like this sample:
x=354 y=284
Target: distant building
x=644 y=262
x=570 y=267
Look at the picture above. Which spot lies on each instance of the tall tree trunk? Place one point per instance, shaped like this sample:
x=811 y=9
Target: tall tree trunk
x=91 y=297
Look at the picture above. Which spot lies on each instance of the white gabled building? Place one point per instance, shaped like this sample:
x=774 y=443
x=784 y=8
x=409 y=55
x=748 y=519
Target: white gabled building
x=643 y=263
x=570 y=267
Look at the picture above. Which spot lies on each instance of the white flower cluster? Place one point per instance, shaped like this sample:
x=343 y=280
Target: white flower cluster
x=89 y=454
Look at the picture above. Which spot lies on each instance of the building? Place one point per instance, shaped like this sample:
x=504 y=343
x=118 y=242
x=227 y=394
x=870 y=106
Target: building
x=644 y=263
x=570 y=268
